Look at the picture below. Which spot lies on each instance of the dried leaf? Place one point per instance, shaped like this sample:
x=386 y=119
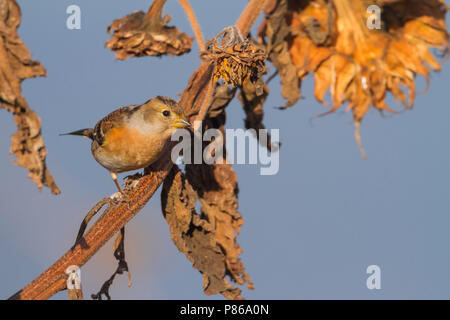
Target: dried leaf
x=147 y=34
x=223 y=94
x=122 y=266
x=204 y=241
x=15 y=66
x=253 y=107
x=272 y=34
x=217 y=188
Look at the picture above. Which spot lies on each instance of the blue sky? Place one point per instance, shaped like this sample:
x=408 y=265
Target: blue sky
x=310 y=231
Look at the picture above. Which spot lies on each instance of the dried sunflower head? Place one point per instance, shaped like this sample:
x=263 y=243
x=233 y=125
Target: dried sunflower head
x=147 y=34
x=359 y=65
x=236 y=59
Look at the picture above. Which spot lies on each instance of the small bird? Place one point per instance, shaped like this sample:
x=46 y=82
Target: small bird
x=134 y=137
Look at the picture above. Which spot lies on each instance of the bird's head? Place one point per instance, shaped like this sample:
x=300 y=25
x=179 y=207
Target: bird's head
x=165 y=115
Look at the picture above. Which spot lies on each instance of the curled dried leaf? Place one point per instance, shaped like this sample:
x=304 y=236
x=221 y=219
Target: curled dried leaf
x=272 y=34
x=147 y=34
x=16 y=65
x=204 y=241
x=223 y=94
x=253 y=107
x=218 y=193
x=119 y=254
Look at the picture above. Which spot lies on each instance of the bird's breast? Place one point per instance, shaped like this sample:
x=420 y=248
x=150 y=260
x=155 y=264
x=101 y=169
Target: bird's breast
x=126 y=149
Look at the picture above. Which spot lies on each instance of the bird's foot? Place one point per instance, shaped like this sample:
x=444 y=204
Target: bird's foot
x=119 y=197
x=131 y=181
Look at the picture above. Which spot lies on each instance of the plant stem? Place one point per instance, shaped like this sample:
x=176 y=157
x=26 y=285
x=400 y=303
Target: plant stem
x=153 y=16
x=249 y=15
x=194 y=24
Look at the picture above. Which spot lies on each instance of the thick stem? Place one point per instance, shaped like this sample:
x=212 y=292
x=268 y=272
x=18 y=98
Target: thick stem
x=153 y=16
x=249 y=15
x=194 y=24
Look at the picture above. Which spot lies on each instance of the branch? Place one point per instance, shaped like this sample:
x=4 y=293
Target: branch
x=116 y=216
x=194 y=24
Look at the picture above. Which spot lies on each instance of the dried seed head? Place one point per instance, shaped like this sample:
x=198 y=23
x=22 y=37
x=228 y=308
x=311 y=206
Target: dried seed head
x=359 y=65
x=236 y=59
x=139 y=34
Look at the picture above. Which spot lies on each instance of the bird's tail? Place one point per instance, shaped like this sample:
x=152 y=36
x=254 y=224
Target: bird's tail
x=89 y=133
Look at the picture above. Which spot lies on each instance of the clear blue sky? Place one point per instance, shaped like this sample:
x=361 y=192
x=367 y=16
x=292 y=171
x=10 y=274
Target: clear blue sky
x=310 y=231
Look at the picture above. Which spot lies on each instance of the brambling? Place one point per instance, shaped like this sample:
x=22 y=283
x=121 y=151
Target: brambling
x=134 y=137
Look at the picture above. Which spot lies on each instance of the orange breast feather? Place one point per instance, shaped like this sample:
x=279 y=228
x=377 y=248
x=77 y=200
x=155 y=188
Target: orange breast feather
x=130 y=148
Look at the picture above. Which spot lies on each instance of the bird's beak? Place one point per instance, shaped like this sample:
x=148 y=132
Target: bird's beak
x=180 y=123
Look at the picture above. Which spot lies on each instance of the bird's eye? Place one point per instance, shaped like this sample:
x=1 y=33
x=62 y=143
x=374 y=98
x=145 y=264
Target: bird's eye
x=166 y=113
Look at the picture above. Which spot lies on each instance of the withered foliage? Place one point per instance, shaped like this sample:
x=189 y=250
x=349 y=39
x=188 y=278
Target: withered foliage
x=356 y=64
x=253 y=107
x=122 y=266
x=147 y=34
x=208 y=239
x=16 y=65
x=273 y=33
x=223 y=94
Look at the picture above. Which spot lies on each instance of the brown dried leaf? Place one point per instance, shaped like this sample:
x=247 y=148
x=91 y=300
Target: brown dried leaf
x=217 y=188
x=205 y=239
x=253 y=107
x=15 y=66
x=272 y=34
x=146 y=34
x=223 y=94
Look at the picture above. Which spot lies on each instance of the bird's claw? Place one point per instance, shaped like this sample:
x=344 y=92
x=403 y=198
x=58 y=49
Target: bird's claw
x=119 y=197
x=131 y=181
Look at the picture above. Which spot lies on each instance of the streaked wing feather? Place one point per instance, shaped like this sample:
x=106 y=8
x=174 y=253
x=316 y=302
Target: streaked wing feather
x=115 y=118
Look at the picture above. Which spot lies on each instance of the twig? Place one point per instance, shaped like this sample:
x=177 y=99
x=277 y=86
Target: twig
x=358 y=140
x=95 y=209
x=116 y=216
x=194 y=24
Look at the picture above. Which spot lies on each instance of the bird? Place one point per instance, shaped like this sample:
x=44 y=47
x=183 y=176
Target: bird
x=134 y=136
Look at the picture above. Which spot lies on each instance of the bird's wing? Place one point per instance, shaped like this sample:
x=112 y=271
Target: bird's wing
x=114 y=119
